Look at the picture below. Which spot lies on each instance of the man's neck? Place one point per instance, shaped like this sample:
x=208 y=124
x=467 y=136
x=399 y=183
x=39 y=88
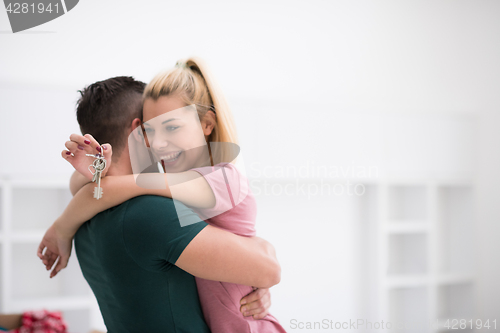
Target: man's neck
x=121 y=166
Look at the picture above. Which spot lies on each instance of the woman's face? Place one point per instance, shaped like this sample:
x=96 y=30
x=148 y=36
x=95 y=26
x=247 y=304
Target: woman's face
x=175 y=134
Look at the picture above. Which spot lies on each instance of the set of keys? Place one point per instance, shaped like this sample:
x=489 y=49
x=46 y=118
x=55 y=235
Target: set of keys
x=98 y=165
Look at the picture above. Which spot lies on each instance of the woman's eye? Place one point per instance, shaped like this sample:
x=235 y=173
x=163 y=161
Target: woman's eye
x=148 y=130
x=172 y=128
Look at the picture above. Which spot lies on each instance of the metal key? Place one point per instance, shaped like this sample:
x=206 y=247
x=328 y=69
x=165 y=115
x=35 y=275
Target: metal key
x=98 y=165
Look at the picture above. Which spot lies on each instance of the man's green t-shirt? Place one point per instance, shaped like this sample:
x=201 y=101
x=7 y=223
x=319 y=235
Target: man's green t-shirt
x=127 y=255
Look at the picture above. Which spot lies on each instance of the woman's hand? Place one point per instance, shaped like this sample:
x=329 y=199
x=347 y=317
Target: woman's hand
x=80 y=145
x=256 y=304
x=58 y=246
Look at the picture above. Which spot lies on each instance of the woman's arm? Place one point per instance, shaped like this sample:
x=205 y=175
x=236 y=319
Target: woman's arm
x=190 y=188
x=83 y=206
x=76 y=182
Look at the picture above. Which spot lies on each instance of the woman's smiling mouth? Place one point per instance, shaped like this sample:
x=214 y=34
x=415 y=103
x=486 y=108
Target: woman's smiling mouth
x=170 y=158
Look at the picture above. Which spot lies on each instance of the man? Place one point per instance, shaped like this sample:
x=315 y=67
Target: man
x=136 y=257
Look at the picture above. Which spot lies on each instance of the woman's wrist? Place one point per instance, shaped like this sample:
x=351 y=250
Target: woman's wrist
x=63 y=230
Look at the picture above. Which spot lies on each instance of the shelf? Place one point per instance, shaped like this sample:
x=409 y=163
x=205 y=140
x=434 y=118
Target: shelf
x=423 y=244
x=407 y=227
x=37 y=183
x=456 y=230
x=27 y=208
x=51 y=303
x=78 y=320
x=456 y=301
x=2 y=277
x=455 y=279
x=403 y=281
x=2 y=208
x=27 y=237
x=32 y=279
x=36 y=208
x=408 y=306
x=407 y=202
x=407 y=281
x=407 y=254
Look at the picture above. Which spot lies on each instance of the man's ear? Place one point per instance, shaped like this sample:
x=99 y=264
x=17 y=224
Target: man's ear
x=136 y=130
x=208 y=123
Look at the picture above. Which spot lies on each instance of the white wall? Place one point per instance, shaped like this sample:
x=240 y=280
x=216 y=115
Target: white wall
x=488 y=213
x=380 y=55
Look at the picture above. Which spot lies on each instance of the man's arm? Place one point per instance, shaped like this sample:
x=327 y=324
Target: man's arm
x=219 y=255
x=152 y=231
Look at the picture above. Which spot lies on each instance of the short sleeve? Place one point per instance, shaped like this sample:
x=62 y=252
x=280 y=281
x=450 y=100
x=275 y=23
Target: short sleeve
x=229 y=186
x=152 y=232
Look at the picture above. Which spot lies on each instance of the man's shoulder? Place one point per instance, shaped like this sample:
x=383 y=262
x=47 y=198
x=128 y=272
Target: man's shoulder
x=149 y=200
x=152 y=210
x=148 y=208
x=153 y=228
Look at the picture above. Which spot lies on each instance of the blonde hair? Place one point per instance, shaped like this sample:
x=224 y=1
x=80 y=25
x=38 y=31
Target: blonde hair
x=192 y=81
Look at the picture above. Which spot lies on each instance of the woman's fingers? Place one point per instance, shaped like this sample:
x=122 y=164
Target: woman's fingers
x=54 y=271
x=67 y=155
x=260 y=315
x=107 y=151
x=52 y=260
x=61 y=263
x=72 y=149
x=257 y=309
x=72 y=146
x=77 y=141
x=256 y=304
x=76 y=144
x=46 y=257
x=256 y=295
x=49 y=260
x=96 y=147
x=84 y=142
x=39 y=251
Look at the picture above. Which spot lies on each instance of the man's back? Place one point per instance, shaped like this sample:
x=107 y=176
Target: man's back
x=126 y=255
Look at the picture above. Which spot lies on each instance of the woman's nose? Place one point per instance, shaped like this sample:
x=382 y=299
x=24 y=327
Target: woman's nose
x=159 y=144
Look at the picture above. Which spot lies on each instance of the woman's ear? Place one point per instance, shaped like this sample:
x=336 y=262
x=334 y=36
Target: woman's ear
x=208 y=123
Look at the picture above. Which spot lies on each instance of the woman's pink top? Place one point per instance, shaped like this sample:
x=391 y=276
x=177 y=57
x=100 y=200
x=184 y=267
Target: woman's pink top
x=235 y=210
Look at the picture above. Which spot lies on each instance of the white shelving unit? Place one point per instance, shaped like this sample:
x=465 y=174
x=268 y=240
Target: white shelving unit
x=424 y=247
x=27 y=209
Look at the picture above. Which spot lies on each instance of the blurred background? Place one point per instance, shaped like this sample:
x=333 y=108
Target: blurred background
x=369 y=131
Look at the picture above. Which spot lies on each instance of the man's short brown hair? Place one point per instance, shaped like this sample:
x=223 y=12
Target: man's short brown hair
x=106 y=109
